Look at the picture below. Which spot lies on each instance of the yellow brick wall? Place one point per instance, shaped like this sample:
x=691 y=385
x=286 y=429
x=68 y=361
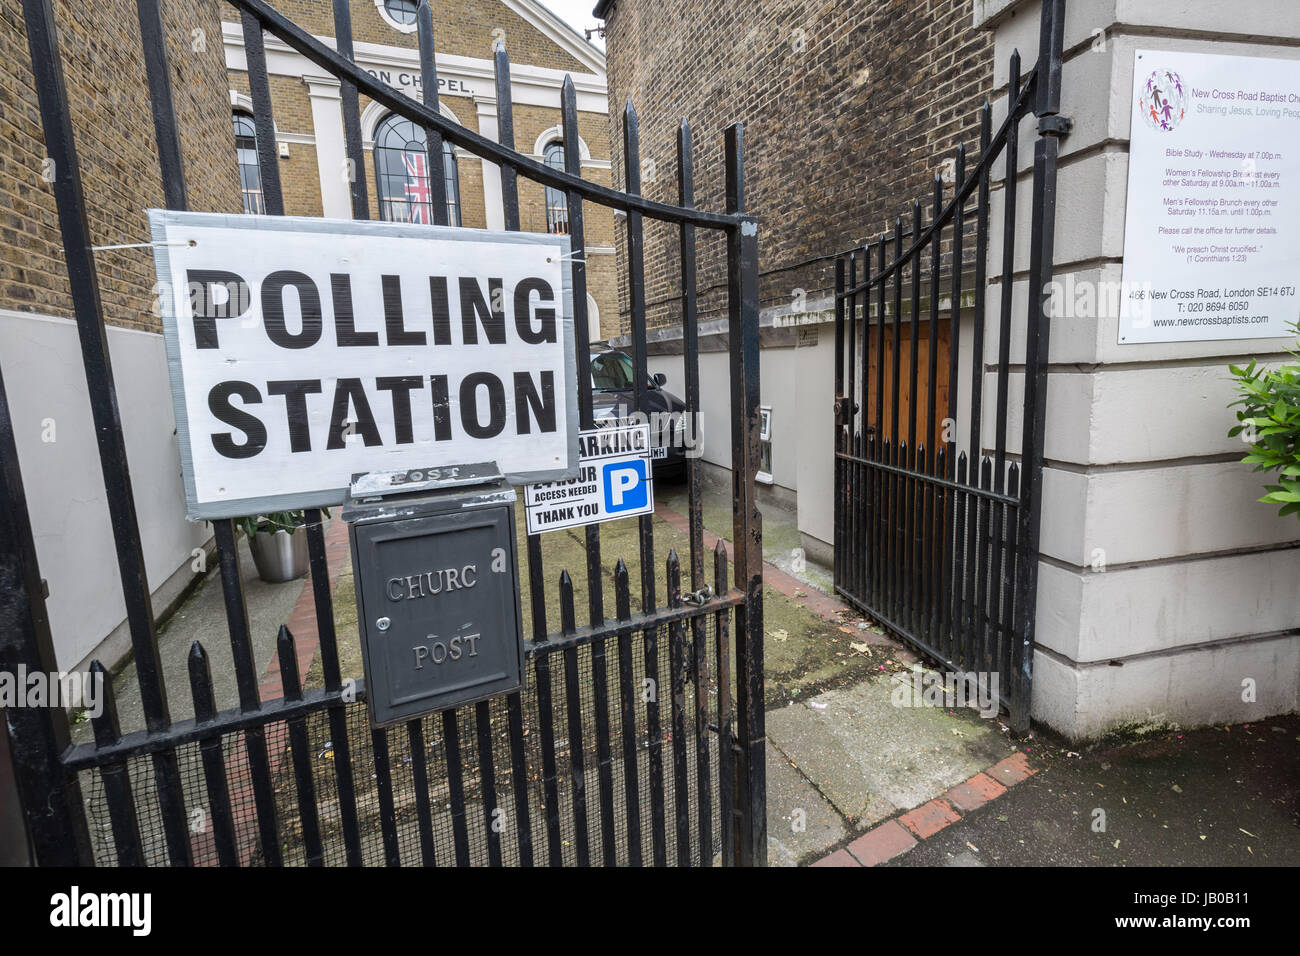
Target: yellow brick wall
x=113 y=127
x=463 y=28
x=598 y=221
x=473 y=207
x=299 y=173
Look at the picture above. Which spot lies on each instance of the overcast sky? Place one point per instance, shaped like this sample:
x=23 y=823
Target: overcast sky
x=577 y=13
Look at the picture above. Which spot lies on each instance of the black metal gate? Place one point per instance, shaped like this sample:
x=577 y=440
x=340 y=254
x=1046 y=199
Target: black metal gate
x=626 y=778
x=936 y=518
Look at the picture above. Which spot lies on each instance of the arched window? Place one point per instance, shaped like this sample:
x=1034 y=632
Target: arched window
x=557 y=203
x=401 y=166
x=250 y=173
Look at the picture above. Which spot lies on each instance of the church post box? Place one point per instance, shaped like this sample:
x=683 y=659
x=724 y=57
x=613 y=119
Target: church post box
x=434 y=564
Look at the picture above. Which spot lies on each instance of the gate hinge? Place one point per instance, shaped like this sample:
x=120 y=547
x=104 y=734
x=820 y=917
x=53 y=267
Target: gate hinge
x=844 y=409
x=1055 y=125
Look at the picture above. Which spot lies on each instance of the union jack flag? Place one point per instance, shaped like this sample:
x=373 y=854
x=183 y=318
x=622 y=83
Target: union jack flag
x=418 y=192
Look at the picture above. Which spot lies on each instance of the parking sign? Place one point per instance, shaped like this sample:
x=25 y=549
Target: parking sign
x=626 y=485
x=614 y=481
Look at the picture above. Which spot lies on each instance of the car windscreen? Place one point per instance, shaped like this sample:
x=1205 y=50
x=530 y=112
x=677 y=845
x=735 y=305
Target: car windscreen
x=611 y=371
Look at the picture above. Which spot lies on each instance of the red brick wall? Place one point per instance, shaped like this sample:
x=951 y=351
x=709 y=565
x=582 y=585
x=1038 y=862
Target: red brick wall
x=850 y=108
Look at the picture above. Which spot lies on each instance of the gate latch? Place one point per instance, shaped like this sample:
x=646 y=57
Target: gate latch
x=697 y=598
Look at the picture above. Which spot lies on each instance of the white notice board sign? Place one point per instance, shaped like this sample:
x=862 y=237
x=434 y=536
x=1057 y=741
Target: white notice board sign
x=1212 y=234
x=615 y=480
x=304 y=351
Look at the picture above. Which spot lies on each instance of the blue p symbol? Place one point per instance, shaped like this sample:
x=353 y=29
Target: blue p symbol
x=625 y=486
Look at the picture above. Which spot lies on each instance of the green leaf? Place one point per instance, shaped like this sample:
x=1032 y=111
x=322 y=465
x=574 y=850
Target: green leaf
x=1280 y=497
x=1267 y=410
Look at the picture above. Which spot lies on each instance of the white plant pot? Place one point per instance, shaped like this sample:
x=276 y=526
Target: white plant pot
x=279 y=555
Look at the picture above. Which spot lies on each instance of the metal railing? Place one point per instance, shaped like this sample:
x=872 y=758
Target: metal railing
x=614 y=735
x=939 y=543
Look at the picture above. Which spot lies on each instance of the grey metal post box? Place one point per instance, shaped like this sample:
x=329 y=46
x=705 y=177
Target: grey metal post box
x=433 y=558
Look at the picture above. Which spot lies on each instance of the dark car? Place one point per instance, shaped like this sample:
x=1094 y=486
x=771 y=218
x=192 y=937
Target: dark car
x=614 y=398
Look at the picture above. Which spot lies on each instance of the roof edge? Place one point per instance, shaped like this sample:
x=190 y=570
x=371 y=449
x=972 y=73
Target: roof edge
x=560 y=32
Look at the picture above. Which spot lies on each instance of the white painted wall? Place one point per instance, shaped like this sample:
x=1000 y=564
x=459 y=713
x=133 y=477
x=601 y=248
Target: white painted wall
x=1197 y=591
x=815 y=435
x=798 y=382
x=40 y=357
x=715 y=398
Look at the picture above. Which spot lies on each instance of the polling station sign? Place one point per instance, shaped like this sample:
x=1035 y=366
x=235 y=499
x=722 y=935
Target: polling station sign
x=304 y=351
x=614 y=480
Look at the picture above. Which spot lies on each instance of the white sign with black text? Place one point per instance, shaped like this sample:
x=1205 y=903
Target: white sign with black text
x=1212 y=232
x=304 y=351
x=615 y=480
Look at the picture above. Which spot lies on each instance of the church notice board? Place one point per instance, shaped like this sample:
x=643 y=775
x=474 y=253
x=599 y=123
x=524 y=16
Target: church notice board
x=1212 y=233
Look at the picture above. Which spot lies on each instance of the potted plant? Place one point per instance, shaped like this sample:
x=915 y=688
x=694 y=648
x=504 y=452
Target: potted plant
x=278 y=543
x=1269 y=421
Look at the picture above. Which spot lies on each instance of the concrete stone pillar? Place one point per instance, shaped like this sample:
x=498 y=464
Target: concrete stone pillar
x=1164 y=585
x=493 y=200
x=331 y=149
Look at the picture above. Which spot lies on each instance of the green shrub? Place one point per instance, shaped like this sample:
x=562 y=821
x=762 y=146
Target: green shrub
x=1269 y=420
x=279 y=521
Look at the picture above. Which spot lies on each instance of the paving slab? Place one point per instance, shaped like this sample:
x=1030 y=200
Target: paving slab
x=872 y=759
x=800 y=821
